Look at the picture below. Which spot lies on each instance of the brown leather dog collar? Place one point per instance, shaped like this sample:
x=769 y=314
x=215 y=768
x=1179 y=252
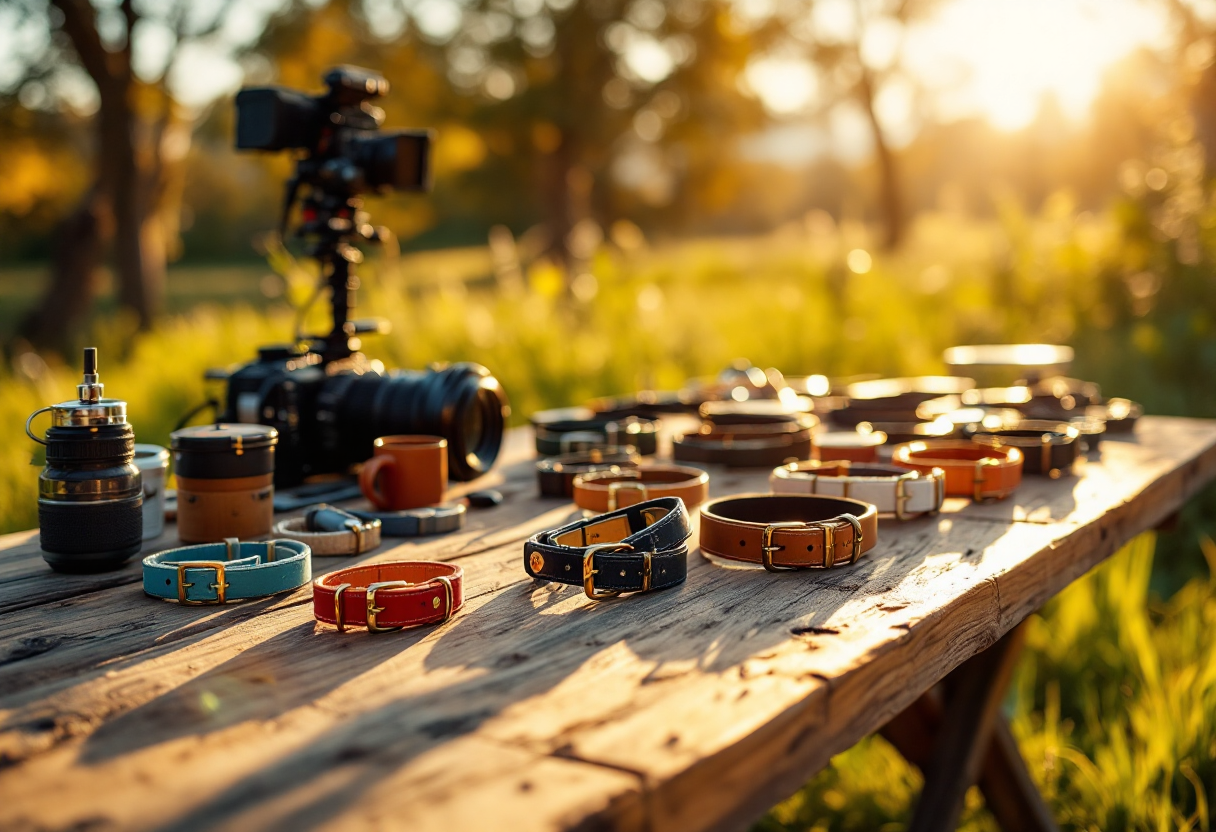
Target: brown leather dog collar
x=389 y=596
x=971 y=470
x=783 y=532
x=608 y=491
x=744 y=446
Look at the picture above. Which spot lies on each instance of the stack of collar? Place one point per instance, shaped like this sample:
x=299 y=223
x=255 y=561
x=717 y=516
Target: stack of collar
x=569 y=435
x=750 y=444
x=635 y=549
x=556 y=475
x=1048 y=448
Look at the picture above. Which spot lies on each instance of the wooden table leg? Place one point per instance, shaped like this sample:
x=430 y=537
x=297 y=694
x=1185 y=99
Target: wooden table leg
x=974 y=744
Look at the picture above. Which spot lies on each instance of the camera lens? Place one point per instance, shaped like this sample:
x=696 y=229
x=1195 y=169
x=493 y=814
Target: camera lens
x=396 y=160
x=463 y=403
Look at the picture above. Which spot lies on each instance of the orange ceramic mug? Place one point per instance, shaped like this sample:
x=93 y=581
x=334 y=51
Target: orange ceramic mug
x=406 y=472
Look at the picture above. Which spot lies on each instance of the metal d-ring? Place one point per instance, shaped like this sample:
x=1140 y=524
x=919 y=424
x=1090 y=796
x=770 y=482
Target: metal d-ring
x=338 y=590
x=30 y=420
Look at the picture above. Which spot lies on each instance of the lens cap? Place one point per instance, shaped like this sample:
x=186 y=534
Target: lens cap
x=484 y=499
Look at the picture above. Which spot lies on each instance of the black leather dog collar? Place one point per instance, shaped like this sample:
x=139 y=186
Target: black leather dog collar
x=567 y=435
x=555 y=475
x=417 y=522
x=1048 y=448
x=636 y=549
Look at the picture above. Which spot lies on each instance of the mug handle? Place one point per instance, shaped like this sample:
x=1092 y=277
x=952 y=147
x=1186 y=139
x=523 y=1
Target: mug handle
x=369 y=479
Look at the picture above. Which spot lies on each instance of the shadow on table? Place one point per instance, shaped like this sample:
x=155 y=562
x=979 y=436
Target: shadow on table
x=713 y=623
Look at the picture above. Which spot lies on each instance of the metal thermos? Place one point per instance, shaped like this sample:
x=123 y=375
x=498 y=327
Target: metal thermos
x=90 y=494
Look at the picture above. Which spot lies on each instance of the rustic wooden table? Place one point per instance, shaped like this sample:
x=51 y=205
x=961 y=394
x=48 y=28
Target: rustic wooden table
x=535 y=708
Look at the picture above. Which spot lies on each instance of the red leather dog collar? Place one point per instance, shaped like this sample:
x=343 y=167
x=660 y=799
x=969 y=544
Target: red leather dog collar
x=389 y=596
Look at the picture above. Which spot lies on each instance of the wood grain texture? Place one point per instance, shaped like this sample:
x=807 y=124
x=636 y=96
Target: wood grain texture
x=535 y=708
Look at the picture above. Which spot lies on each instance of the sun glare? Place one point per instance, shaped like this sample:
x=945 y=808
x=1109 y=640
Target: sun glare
x=999 y=58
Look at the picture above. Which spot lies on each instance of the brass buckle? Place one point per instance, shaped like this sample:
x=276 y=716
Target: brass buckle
x=646 y=566
x=830 y=531
x=220 y=586
x=589 y=570
x=373 y=610
x=338 y=606
x=614 y=487
x=451 y=597
x=902 y=496
x=978 y=478
x=767 y=548
x=356 y=527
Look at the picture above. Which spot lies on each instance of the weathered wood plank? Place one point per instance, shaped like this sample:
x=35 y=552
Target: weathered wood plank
x=692 y=708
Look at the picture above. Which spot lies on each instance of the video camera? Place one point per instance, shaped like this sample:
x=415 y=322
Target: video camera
x=340 y=130
x=328 y=402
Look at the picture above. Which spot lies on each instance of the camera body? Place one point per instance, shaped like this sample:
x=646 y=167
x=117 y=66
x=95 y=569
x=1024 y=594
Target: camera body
x=328 y=417
x=327 y=400
x=340 y=130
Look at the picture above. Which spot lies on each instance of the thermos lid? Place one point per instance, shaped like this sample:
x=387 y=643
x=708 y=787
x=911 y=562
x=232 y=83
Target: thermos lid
x=224 y=438
x=90 y=408
x=77 y=413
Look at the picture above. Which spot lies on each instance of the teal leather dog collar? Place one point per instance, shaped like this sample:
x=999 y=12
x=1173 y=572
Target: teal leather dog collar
x=215 y=573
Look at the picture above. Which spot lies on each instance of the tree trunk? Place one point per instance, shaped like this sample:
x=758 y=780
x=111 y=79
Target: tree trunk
x=890 y=198
x=75 y=277
x=139 y=251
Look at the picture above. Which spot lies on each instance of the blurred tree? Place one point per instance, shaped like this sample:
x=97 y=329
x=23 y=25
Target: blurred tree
x=141 y=138
x=586 y=105
x=855 y=46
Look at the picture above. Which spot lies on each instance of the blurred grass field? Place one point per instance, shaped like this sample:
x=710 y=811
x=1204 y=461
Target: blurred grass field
x=1115 y=700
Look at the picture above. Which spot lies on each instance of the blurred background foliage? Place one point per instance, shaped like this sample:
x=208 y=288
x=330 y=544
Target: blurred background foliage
x=632 y=192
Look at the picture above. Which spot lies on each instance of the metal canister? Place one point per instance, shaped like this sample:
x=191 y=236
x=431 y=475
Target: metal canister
x=225 y=481
x=153 y=464
x=90 y=494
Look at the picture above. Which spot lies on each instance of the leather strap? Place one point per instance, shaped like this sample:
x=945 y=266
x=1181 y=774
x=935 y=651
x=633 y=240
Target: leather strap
x=331 y=531
x=890 y=489
x=789 y=531
x=555 y=475
x=1048 y=448
x=847 y=445
x=215 y=573
x=755 y=447
x=635 y=549
x=568 y=435
x=417 y=522
x=389 y=596
x=608 y=491
x=971 y=470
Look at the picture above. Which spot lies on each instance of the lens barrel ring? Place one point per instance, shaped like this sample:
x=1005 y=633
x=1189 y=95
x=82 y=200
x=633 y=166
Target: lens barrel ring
x=110 y=443
x=450 y=401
